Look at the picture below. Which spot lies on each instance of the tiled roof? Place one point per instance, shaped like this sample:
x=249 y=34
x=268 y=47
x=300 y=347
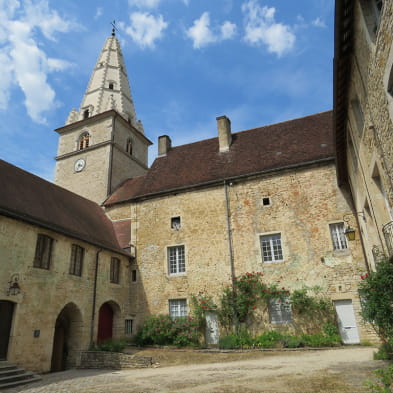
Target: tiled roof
x=123 y=232
x=31 y=199
x=262 y=149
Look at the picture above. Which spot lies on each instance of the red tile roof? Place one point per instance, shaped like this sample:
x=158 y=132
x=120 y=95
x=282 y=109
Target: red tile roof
x=262 y=149
x=123 y=232
x=29 y=198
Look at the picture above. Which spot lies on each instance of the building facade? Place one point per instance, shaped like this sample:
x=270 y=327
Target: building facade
x=363 y=108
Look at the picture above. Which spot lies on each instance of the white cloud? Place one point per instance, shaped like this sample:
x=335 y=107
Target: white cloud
x=261 y=28
x=228 y=30
x=23 y=63
x=145 y=28
x=98 y=13
x=202 y=35
x=318 y=22
x=149 y=3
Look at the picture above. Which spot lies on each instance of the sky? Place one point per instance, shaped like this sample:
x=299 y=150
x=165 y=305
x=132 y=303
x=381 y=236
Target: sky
x=258 y=62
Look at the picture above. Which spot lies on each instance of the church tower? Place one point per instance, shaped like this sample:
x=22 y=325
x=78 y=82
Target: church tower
x=103 y=143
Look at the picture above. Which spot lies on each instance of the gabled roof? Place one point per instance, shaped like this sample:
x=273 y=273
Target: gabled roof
x=278 y=146
x=29 y=198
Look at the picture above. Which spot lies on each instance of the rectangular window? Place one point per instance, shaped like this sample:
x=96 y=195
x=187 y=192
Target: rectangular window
x=76 y=263
x=133 y=275
x=178 y=308
x=128 y=327
x=175 y=223
x=338 y=236
x=115 y=270
x=359 y=116
x=43 y=252
x=176 y=260
x=271 y=248
x=280 y=311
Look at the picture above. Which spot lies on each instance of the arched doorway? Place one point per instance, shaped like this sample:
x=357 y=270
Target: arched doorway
x=105 y=323
x=6 y=314
x=67 y=338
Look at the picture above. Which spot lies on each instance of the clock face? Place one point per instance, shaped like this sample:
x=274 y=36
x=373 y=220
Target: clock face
x=79 y=165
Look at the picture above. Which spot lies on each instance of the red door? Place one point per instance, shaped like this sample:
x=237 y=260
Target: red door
x=105 y=323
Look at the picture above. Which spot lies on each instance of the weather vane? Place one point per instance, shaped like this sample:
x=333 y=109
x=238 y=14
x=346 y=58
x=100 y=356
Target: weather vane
x=114 y=28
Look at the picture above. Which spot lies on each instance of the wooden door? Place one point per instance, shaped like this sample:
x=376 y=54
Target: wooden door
x=6 y=313
x=105 y=323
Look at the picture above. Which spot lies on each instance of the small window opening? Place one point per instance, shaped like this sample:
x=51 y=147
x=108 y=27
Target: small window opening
x=175 y=223
x=128 y=327
x=85 y=114
x=111 y=85
x=133 y=275
x=84 y=141
x=390 y=83
x=266 y=201
x=129 y=147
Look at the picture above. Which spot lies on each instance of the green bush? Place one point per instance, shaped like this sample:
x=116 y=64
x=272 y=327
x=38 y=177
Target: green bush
x=270 y=339
x=385 y=351
x=292 y=342
x=229 y=342
x=164 y=330
x=110 y=346
x=384 y=384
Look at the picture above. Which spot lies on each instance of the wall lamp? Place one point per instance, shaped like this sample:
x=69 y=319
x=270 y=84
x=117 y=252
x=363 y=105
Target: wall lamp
x=349 y=232
x=14 y=288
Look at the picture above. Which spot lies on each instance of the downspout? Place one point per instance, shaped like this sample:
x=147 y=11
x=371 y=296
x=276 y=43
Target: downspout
x=93 y=311
x=230 y=248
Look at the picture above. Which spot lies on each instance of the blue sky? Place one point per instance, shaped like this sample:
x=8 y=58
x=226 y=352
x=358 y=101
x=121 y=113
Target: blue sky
x=188 y=61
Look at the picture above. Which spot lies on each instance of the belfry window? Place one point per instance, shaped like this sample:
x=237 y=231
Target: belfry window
x=111 y=85
x=84 y=141
x=85 y=114
x=129 y=147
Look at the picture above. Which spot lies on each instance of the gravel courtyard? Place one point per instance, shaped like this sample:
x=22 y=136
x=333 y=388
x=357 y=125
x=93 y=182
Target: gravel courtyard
x=314 y=371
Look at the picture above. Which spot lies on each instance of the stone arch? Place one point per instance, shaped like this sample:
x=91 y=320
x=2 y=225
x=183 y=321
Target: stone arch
x=7 y=309
x=109 y=321
x=67 y=339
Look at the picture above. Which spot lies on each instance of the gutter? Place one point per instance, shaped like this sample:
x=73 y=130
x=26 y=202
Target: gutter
x=93 y=311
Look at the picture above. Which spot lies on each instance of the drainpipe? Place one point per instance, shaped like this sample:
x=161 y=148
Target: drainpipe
x=93 y=311
x=230 y=247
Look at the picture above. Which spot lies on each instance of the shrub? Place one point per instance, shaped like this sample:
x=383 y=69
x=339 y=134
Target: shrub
x=385 y=351
x=228 y=342
x=270 y=339
x=376 y=291
x=384 y=384
x=110 y=346
x=293 y=342
x=164 y=330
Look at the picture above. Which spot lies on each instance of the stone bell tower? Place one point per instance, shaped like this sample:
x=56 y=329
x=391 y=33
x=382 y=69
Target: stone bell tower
x=103 y=143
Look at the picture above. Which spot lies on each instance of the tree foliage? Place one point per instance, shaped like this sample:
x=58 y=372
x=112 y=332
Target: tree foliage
x=376 y=292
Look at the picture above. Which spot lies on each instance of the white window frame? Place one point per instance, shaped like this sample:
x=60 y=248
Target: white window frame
x=178 y=308
x=176 y=260
x=272 y=237
x=337 y=235
x=282 y=311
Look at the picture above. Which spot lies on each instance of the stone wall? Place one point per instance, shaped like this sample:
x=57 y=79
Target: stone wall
x=113 y=360
x=302 y=204
x=47 y=294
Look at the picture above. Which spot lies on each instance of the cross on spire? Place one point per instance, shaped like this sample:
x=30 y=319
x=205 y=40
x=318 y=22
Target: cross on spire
x=114 y=28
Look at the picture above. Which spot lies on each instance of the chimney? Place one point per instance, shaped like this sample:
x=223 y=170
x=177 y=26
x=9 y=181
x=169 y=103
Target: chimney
x=224 y=133
x=164 y=145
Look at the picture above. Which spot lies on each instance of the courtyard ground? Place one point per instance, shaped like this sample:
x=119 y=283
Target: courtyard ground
x=341 y=370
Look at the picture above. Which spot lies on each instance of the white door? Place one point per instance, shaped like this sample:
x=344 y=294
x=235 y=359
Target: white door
x=347 y=321
x=212 y=332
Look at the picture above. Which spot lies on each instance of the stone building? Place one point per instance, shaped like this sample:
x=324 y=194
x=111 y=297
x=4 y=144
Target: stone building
x=138 y=241
x=65 y=275
x=363 y=112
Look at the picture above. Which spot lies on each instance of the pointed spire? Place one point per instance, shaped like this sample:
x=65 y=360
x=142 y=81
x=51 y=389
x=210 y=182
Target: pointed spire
x=109 y=86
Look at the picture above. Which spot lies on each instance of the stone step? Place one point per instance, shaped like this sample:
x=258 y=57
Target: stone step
x=12 y=376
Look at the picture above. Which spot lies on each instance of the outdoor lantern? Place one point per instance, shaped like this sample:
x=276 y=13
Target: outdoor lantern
x=14 y=288
x=350 y=233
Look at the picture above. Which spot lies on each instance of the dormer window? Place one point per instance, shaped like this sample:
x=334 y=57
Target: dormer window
x=84 y=140
x=129 y=147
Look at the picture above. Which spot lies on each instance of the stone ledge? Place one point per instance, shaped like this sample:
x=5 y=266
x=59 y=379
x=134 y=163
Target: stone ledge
x=112 y=360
